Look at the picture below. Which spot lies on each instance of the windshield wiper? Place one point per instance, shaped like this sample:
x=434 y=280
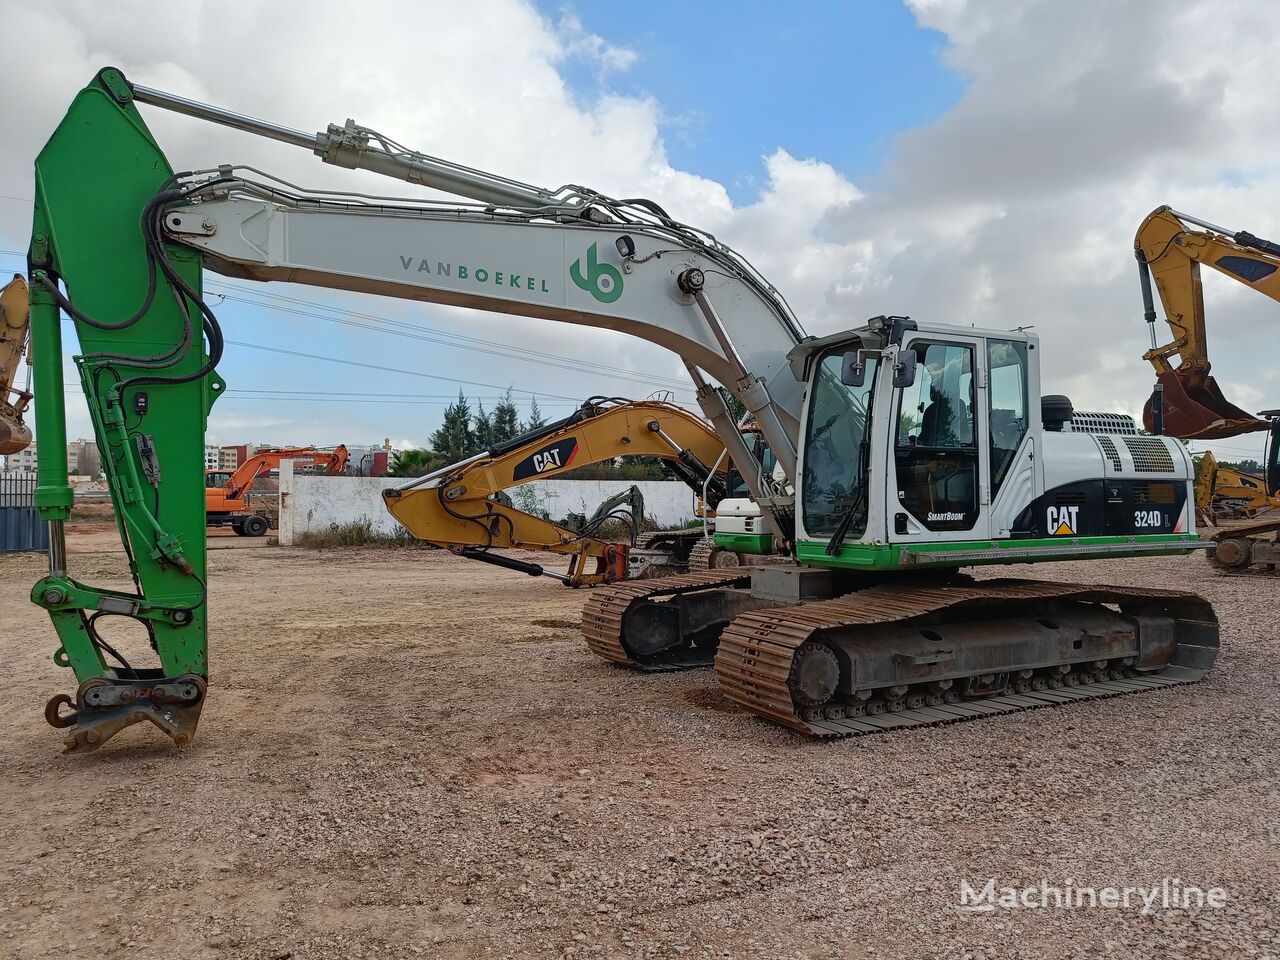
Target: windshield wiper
x=846 y=520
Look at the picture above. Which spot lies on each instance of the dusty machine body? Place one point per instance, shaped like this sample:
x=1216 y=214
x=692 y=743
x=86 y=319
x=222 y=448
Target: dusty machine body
x=1187 y=402
x=907 y=450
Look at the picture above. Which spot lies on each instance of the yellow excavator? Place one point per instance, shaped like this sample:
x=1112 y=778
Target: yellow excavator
x=1225 y=492
x=15 y=435
x=1187 y=402
x=470 y=514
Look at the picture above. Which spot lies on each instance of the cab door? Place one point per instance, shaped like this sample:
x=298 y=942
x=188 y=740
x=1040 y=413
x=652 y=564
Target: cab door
x=938 y=487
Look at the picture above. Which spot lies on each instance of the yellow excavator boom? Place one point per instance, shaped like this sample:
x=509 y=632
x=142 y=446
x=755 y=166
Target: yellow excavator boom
x=15 y=435
x=1170 y=253
x=456 y=507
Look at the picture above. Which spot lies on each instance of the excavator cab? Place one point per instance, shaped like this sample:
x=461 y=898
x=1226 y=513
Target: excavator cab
x=930 y=446
x=902 y=445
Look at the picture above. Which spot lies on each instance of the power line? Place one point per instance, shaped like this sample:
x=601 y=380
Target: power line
x=435 y=335
x=422 y=403
x=376 y=366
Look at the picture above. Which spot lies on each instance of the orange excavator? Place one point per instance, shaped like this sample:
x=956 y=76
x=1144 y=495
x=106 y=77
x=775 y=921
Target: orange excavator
x=15 y=435
x=227 y=500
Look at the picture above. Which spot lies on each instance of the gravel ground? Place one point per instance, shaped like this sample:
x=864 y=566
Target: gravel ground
x=405 y=755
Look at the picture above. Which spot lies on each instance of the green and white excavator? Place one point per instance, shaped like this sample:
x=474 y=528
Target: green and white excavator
x=908 y=449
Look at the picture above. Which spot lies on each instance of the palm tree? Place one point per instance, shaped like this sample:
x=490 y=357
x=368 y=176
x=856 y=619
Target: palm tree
x=414 y=463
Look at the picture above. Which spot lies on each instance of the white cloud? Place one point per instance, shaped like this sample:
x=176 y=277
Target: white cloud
x=576 y=41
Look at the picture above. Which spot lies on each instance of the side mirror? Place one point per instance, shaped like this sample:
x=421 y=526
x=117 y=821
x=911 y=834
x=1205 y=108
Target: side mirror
x=853 y=367
x=853 y=372
x=904 y=368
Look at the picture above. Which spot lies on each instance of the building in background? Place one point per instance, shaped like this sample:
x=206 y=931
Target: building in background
x=83 y=458
x=24 y=461
x=231 y=457
x=212 y=456
x=370 y=460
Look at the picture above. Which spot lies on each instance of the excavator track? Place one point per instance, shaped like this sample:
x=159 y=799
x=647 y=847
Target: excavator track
x=1252 y=550
x=654 y=538
x=661 y=553
x=707 y=556
x=606 y=608
x=778 y=662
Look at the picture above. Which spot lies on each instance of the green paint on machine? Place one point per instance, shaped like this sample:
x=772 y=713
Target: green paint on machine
x=94 y=178
x=966 y=553
x=757 y=544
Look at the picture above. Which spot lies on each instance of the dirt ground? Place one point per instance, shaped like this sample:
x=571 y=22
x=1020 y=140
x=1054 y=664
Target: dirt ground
x=408 y=755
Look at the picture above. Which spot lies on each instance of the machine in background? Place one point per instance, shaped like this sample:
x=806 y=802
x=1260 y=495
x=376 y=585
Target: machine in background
x=1187 y=402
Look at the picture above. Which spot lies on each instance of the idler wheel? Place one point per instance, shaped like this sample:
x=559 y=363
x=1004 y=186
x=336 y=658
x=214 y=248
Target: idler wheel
x=815 y=672
x=1233 y=553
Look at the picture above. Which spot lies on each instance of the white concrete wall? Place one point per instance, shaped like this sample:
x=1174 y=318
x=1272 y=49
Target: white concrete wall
x=316 y=503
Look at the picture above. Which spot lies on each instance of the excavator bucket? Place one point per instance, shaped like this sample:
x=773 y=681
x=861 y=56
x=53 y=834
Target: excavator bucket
x=1199 y=412
x=14 y=434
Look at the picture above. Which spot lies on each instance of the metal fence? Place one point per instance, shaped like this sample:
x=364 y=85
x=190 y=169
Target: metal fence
x=20 y=525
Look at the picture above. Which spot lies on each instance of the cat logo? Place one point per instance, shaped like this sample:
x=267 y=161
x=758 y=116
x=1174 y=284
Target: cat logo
x=554 y=456
x=1062 y=521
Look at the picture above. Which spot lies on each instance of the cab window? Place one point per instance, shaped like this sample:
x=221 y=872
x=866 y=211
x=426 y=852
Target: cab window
x=936 y=451
x=837 y=451
x=1007 y=366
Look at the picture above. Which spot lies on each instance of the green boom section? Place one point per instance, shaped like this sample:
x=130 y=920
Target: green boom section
x=94 y=178
x=965 y=553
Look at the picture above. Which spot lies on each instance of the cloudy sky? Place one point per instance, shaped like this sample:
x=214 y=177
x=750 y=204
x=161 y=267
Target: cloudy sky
x=974 y=163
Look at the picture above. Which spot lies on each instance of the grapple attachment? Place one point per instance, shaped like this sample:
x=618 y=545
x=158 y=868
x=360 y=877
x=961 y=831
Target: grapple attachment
x=1195 y=409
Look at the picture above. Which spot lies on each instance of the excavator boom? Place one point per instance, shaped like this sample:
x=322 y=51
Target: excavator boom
x=457 y=507
x=1169 y=252
x=15 y=435
x=334 y=461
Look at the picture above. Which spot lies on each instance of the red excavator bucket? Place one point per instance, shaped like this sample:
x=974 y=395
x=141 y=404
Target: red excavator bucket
x=14 y=434
x=1199 y=412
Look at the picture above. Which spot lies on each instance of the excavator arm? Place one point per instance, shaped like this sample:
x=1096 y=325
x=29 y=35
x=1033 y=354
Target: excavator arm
x=334 y=461
x=15 y=435
x=1171 y=253
x=456 y=507
x=119 y=246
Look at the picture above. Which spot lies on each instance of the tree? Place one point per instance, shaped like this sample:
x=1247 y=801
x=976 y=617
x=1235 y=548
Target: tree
x=455 y=440
x=737 y=408
x=414 y=463
x=482 y=432
x=506 y=419
x=535 y=417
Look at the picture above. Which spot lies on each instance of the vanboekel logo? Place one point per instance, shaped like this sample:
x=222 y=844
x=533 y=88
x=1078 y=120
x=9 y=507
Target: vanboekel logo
x=604 y=282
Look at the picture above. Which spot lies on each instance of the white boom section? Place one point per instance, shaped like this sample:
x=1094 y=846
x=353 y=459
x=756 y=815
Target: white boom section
x=503 y=262
x=470 y=259
x=571 y=254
